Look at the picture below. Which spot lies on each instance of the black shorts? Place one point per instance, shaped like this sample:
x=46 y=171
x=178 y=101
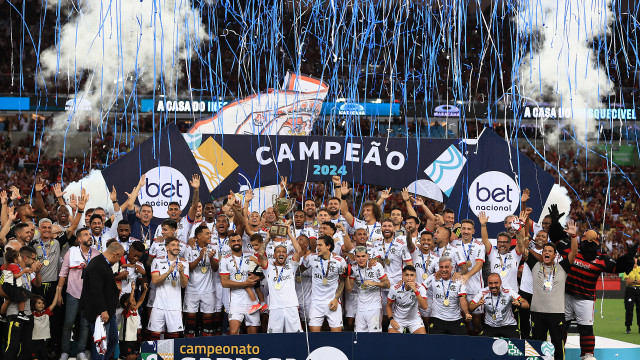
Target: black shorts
x=438 y=326
x=129 y=348
x=39 y=349
x=510 y=331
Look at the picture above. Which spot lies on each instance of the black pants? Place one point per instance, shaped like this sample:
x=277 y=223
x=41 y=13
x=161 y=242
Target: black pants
x=631 y=298
x=510 y=331
x=437 y=326
x=18 y=338
x=524 y=319
x=543 y=323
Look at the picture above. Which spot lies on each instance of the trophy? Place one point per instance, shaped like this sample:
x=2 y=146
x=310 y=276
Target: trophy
x=281 y=206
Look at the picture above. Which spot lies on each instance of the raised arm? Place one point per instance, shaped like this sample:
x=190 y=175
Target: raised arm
x=57 y=191
x=145 y=288
x=384 y=195
x=131 y=200
x=296 y=245
x=348 y=244
x=483 y=218
x=572 y=230
x=4 y=200
x=6 y=227
x=195 y=198
x=344 y=209
x=38 y=205
x=84 y=197
x=430 y=219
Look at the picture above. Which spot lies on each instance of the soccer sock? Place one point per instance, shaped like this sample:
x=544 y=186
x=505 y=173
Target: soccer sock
x=171 y=335
x=587 y=339
x=207 y=325
x=189 y=325
x=217 y=323
x=153 y=335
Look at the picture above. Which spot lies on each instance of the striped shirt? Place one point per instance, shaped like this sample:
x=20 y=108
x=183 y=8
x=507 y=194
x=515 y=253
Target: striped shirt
x=583 y=275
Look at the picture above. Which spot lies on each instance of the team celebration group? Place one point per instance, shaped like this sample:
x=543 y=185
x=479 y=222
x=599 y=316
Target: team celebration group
x=223 y=269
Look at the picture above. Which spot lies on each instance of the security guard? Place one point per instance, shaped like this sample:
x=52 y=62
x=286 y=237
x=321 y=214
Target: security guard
x=632 y=295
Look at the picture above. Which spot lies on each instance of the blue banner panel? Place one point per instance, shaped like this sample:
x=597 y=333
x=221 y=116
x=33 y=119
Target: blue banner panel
x=14 y=103
x=360 y=109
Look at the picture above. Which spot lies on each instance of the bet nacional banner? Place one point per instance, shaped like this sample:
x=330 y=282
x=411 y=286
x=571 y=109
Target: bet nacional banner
x=344 y=346
x=446 y=170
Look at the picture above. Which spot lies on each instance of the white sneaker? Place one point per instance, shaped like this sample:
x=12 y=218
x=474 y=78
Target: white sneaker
x=588 y=356
x=81 y=356
x=88 y=353
x=64 y=356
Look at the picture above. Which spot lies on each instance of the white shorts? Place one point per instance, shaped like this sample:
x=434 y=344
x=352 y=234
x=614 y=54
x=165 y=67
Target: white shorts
x=578 y=309
x=368 y=321
x=351 y=304
x=241 y=313
x=480 y=309
x=284 y=320
x=217 y=307
x=204 y=302
x=304 y=309
x=319 y=311
x=410 y=325
x=169 y=319
x=152 y=296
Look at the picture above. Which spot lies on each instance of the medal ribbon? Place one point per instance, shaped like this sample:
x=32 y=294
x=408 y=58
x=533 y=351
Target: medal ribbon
x=324 y=275
x=386 y=254
x=174 y=274
x=44 y=251
x=280 y=274
x=362 y=277
x=86 y=261
x=552 y=274
x=372 y=232
x=99 y=242
x=495 y=304
x=26 y=279
x=236 y=264
x=468 y=252
x=448 y=288
x=202 y=262
x=220 y=244
x=503 y=264
x=425 y=265
x=144 y=237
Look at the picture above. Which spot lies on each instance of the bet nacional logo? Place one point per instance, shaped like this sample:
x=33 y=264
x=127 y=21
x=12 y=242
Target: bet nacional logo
x=163 y=185
x=495 y=193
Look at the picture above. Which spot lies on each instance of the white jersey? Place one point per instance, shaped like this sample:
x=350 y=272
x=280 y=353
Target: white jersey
x=158 y=249
x=397 y=253
x=132 y=277
x=470 y=253
x=506 y=265
x=374 y=232
x=405 y=304
x=231 y=266
x=182 y=232
x=168 y=296
x=331 y=270
x=201 y=281
x=350 y=257
x=425 y=264
x=271 y=248
x=448 y=250
x=127 y=244
x=282 y=285
x=100 y=242
x=368 y=297
x=303 y=286
x=211 y=226
x=497 y=309
x=443 y=292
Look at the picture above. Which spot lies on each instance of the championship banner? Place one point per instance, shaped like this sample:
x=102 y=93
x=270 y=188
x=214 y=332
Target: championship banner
x=344 y=346
x=492 y=181
x=440 y=169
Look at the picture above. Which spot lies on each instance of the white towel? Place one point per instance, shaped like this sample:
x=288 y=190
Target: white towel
x=100 y=336
x=76 y=259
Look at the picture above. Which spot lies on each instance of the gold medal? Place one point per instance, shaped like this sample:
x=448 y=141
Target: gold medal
x=494 y=317
x=425 y=276
x=173 y=283
x=445 y=302
x=204 y=269
x=45 y=262
x=238 y=277
x=298 y=278
x=469 y=264
x=146 y=246
x=503 y=273
x=363 y=286
x=278 y=286
x=547 y=284
x=387 y=261
x=324 y=281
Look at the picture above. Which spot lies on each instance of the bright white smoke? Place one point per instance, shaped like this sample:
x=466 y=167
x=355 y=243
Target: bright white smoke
x=561 y=67
x=110 y=47
x=95 y=186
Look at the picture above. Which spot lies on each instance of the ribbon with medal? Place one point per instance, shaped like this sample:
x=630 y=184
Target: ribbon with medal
x=425 y=265
x=174 y=273
x=467 y=254
x=203 y=262
x=362 y=285
x=238 y=275
x=386 y=254
x=324 y=274
x=278 y=285
x=145 y=237
x=503 y=265
x=494 y=315
x=373 y=230
x=45 y=262
x=445 y=302
x=547 y=285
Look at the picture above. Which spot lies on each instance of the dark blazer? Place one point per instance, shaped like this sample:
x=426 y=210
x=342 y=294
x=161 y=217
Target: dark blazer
x=99 y=290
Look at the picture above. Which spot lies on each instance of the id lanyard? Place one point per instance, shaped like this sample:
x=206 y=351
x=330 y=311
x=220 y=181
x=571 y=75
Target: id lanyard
x=386 y=254
x=495 y=304
x=99 y=242
x=467 y=253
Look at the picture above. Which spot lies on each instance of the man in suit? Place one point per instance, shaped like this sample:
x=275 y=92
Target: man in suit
x=100 y=296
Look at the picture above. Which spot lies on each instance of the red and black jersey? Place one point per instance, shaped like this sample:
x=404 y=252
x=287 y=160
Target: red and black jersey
x=583 y=275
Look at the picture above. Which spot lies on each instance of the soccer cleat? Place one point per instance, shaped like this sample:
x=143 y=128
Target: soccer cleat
x=628 y=331
x=587 y=356
x=264 y=307
x=81 y=356
x=254 y=308
x=64 y=356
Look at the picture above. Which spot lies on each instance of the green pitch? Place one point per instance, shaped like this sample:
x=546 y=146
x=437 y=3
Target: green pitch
x=612 y=325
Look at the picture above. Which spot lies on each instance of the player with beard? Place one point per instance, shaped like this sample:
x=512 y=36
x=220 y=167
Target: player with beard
x=548 y=306
x=368 y=280
x=394 y=256
x=526 y=285
x=220 y=242
x=327 y=285
x=583 y=276
x=502 y=260
x=303 y=281
x=73 y=264
x=442 y=237
x=96 y=224
x=404 y=300
x=449 y=301
x=468 y=258
x=298 y=223
x=170 y=275
x=280 y=277
x=426 y=264
x=498 y=315
x=370 y=212
x=124 y=235
x=310 y=213
x=174 y=210
x=412 y=236
x=235 y=275
x=199 y=296
x=132 y=270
